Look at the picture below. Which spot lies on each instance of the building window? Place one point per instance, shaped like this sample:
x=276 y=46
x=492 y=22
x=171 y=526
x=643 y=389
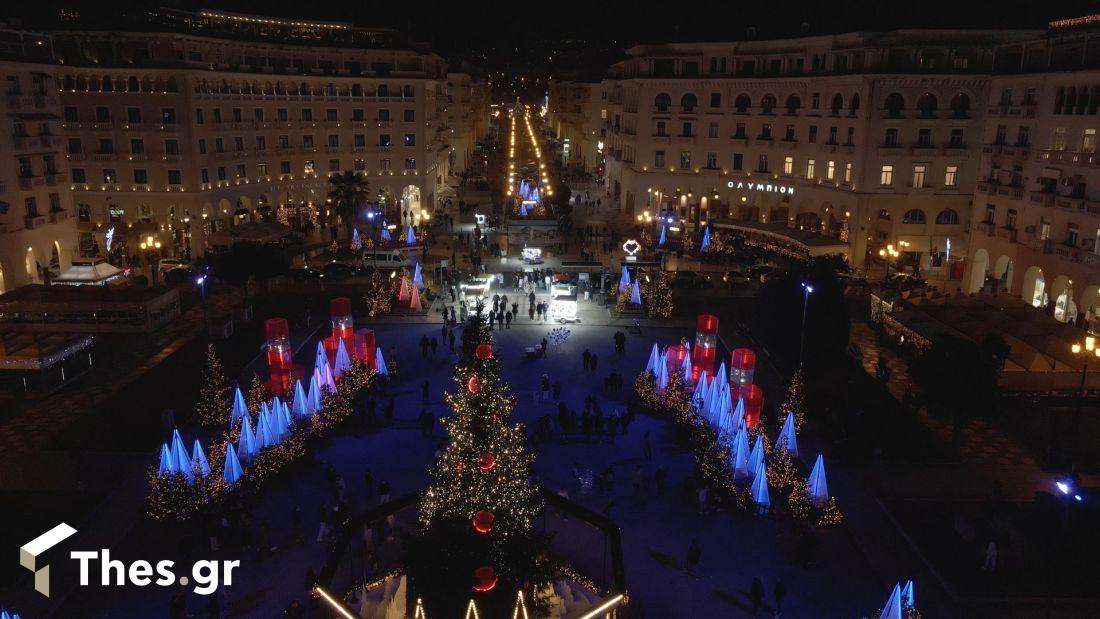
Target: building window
x=102 y=114
x=715 y=99
x=851 y=139
x=175 y=177
x=762 y=163
x=261 y=142
x=685 y=159
x=75 y=147
x=1088 y=141
x=202 y=147
x=385 y=164
x=712 y=130
x=383 y=115
x=740 y=131
x=282 y=115
x=1058 y=139
x=258 y=114
x=738 y=161
x=914 y=216
x=384 y=139
x=241 y=172
x=310 y=167
x=171 y=147
x=168 y=115
x=789 y=136
x=71 y=115
x=106 y=146
x=333 y=165
x=137 y=147
x=261 y=170
x=1023 y=136
x=956 y=140
x=334 y=141
x=307 y=141
x=219 y=145
x=810 y=165
x=360 y=165
x=886 y=176
x=221 y=173
x=662 y=129
x=331 y=115
x=198 y=117
x=848 y=172
x=109 y=176
x=919 y=171
x=237 y=115
x=990 y=213
x=686 y=130
x=924 y=138
x=830 y=170
x=307 y=114
x=204 y=174
x=712 y=161
x=78 y=175
x=217 y=115
x=410 y=139
x=410 y=116
x=133 y=115
x=766 y=131
x=1010 y=219
x=31 y=205
x=813 y=134
x=410 y=163
x=951 y=176
x=947 y=217
x=788 y=165
x=891 y=138
x=284 y=167
x=659 y=159
x=238 y=144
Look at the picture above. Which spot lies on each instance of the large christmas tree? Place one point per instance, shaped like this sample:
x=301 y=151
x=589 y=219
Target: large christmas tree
x=477 y=539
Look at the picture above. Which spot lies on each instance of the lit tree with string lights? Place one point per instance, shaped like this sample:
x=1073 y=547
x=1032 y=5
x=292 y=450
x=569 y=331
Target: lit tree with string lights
x=657 y=294
x=213 y=405
x=477 y=539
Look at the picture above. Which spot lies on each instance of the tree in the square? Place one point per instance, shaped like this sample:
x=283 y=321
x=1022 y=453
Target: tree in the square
x=257 y=394
x=657 y=294
x=477 y=515
x=795 y=400
x=214 y=403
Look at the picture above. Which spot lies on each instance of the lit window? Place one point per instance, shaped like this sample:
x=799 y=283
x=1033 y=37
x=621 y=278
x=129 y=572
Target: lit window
x=886 y=177
x=848 y=172
x=951 y=176
x=830 y=170
x=788 y=165
x=810 y=165
x=919 y=171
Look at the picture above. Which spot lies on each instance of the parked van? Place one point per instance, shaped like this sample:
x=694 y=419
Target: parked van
x=385 y=260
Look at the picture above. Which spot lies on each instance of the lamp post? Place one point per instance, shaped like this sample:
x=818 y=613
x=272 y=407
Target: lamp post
x=1083 y=350
x=888 y=253
x=201 y=282
x=807 y=290
x=151 y=247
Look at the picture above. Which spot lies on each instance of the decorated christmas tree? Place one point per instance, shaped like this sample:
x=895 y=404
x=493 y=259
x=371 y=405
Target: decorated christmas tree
x=657 y=292
x=257 y=394
x=477 y=539
x=795 y=400
x=213 y=405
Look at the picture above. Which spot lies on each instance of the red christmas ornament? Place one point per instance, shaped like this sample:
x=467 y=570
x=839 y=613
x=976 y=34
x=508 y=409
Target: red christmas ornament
x=486 y=578
x=483 y=521
x=459 y=466
x=483 y=351
x=473 y=385
x=487 y=461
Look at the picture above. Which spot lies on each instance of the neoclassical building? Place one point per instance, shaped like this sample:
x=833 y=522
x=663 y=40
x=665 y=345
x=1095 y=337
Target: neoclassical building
x=218 y=118
x=872 y=138
x=37 y=223
x=1036 y=211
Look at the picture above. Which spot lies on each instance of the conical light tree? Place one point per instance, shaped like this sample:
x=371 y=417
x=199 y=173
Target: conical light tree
x=795 y=399
x=213 y=405
x=477 y=515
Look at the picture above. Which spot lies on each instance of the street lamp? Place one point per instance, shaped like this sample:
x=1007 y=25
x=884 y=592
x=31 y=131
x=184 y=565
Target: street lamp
x=888 y=253
x=807 y=290
x=151 y=247
x=200 y=281
x=1083 y=350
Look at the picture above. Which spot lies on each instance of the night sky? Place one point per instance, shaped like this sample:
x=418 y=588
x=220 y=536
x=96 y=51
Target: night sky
x=563 y=37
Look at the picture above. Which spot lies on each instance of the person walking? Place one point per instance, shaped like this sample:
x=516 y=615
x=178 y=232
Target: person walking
x=434 y=344
x=586 y=357
x=756 y=595
x=500 y=320
x=508 y=320
x=383 y=492
x=424 y=344
x=451 y=340
x=990 y=564
x=531 y=312
x=780 y=592
x=694 y=553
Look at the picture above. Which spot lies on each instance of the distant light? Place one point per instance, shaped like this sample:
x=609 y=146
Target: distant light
x=1078 y=497
x=809 y=288
x=1063 y=486
x=200 y=280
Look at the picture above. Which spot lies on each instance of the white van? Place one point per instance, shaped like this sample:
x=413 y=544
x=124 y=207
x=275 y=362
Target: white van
x=386 y=260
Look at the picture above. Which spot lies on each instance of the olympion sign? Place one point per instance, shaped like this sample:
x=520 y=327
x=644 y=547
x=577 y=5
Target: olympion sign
x=765 y=187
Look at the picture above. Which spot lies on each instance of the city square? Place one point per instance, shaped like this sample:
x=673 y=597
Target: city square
x=308 y=315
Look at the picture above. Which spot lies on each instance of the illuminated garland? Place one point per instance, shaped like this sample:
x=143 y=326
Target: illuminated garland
x=379 y=294
x=174 y=497
x=795 y=399
x=657 y=295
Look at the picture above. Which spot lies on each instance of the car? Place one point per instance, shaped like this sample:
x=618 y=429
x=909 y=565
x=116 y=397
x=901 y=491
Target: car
x=386 y=260
x=735 y=278
x=303 y=274
x=178 y=275
x=167 y=264
x=690 y=279
x=337 y=271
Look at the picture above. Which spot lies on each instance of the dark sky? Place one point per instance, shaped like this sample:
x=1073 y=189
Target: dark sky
x=527 y=29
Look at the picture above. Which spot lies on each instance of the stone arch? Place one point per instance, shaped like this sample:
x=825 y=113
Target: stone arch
x=947 y=217
x=836 y=104
x=793 y=103
x=1003 y=270
x=979 y=264
x=662 y=102
x=894 y=104
x=914 y=216
x=853 y=104
x=927 y=104
x=30 y=266
x=767 y=104
x=688 y=102
x=1090 y=305
x=960 y=105
x=55 y=256
x=1034 y=289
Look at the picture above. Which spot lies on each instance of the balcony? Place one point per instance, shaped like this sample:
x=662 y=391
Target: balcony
x=1041 y=198
x=58 y=216
x=102 y=156
x=53 y=178
x=26 y=183
x=986 y=227
x=34 y=221
x=986 y=187
x=1071 y=203
x=1009 y=234
x=1013 y=192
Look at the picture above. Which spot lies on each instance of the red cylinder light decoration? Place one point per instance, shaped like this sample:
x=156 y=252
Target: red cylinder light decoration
x=486 y=578
x=483 y=521
x=675 y=357
x=704 y=355
x=343 y=326
x=483 y=351
x=754 y=402
x=364 y=348
x=278 y=344
x=742 y=366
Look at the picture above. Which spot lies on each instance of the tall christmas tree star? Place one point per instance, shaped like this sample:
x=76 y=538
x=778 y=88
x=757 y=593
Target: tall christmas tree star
x=478 y=513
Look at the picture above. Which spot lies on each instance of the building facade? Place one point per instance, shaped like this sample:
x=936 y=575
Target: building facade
x=38 y=235
x=577 y=112
x=872 y=138
x=181 y=134
x=1036 y=213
